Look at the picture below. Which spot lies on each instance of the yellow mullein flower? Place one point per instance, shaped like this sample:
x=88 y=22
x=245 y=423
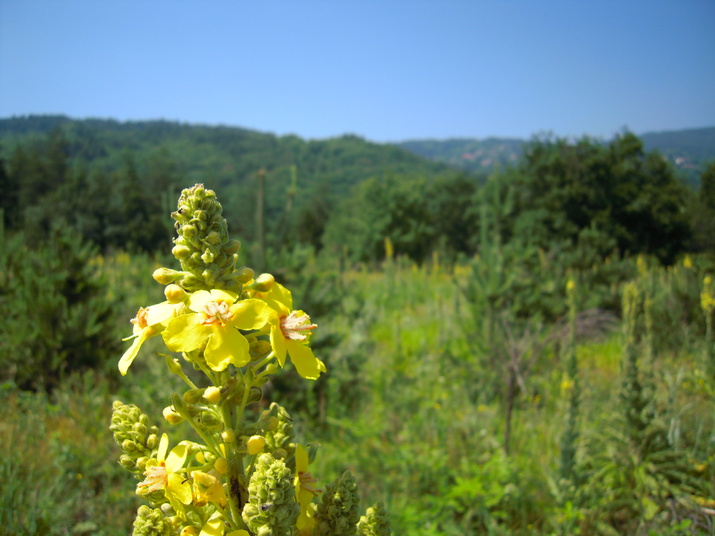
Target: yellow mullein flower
x=290 y=331
x=149 y=321
x=214 y=324
x=208 y=489
x=304 y=489
x=162 y=473
x=216 y=525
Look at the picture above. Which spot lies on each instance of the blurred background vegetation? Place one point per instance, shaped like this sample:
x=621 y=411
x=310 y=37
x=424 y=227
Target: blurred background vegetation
x=470 y=387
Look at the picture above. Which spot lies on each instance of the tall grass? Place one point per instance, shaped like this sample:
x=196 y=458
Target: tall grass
x=408 y=406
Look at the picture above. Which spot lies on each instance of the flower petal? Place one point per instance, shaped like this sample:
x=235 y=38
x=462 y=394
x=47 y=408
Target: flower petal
x=215 y=526
x=179 y=488
x=185 y=333
x=305 y=362
x=128 y=358
x=163 y=447
x=176 y=458
x=226 y=345
x=279 y=298
x=250 y=314
x=200 y=298
x=160 y=313
x=278 y=343
x=301 y=459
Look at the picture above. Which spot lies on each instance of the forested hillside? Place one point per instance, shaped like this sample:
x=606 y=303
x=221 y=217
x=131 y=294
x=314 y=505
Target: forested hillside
x=688 y=150
x=112 y=183
x=303 y=178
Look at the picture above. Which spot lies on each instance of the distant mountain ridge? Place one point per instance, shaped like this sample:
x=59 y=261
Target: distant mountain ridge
x=689 y=150
x=342 y=161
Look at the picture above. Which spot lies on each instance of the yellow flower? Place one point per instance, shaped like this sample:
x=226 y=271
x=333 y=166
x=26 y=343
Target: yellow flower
x=163 y=474
x=149 y=321
x=215 y=526
x=214 y=324
x=290 y=332
x=304 y=489
x=208 y=489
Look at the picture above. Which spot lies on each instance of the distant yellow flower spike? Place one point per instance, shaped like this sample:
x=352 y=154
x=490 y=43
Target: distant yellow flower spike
x=213 y=324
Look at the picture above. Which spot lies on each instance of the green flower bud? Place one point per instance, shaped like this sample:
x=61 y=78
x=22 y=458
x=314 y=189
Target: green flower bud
x=255 y=395
x=231 y=247
x=209 y=420
x=375 y=522
x=175 y=294
x=173 y=365
x=140 y=429
x=181 y=252
x=272 y=508
x=337 y=513
x=243 y=275
x=259 y=348
x=165 y=276
x=152 y=442
x=134 y=435
x=193 y=396
x=279 y=435
x=203 y=246
x=151 y=522
x=264 y=282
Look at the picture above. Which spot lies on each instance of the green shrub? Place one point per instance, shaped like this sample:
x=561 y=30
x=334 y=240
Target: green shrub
x=57 y=317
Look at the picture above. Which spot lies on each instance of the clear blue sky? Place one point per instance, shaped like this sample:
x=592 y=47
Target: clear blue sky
x=388 y=70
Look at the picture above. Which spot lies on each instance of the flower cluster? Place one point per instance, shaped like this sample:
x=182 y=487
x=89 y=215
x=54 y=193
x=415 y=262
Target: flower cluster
x=247 y=476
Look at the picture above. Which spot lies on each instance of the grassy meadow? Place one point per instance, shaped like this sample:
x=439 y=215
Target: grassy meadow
x=473 y=398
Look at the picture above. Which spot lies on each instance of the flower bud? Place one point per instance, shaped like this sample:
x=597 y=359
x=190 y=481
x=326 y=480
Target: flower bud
x=175 y=294
x=171 y=416
x=272 y=507
x=264 y=282
x=209 y=420
x=141 y=463
x=255 y=395
x=208 y=256
x=221 y=465
x=165 y=276
x=192 y=396
x=338 y=511
x=259 y=348
x=231 y=247
x=271 y=368
x=212 y=394
x=375 y=522
x=228 y=436
x=255 y=444
x=180 y=251
x=151 y=522
x=152 y=442
x=140 y=429
x=243 y=275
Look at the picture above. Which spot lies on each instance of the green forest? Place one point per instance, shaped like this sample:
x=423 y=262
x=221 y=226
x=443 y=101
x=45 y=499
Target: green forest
x=525 y=348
